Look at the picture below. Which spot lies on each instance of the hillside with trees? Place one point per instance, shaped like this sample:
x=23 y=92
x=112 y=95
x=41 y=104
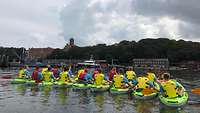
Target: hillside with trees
x=125 y=51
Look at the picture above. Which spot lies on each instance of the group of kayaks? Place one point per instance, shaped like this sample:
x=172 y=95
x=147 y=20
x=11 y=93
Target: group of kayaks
x=172 y=102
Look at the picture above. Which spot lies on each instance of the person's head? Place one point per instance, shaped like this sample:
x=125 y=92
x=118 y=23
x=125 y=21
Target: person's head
x=150 y=70
x=49 y=68
x=130 y=68
x=37 y=68
x=21 y=68
x=114 y=69
x=100 y=70
x=121 y=71
x=66 y=68
x=86 y=70
x=56 y=66
x=166 y=76
x=25 y=66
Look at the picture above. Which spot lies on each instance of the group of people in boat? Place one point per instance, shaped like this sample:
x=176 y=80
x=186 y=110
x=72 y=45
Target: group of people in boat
x=118 y=78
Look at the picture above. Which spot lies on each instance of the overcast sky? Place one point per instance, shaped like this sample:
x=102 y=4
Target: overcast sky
x=50 y=23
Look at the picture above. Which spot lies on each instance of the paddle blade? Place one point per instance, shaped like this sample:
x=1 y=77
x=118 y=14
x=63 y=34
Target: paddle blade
x=148 y=91
x=196 y=91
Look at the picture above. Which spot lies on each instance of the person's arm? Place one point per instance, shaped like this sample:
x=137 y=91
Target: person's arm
x=40 y=75
x=70 y=73
x=125 y=80
x=106 y=78
x=27 y=73
x=52 y=76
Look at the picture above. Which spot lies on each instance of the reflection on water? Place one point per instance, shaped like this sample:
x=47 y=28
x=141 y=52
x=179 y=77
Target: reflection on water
x=34 y=99
x=145 y=106
x=62 y=94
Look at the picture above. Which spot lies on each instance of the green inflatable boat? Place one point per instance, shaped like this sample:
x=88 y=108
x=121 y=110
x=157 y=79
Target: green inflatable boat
x=63 y=84
x=81 y=86
x=99 y=88
x=31 y=82
x=44 y=83
x=139 y=95
x=175 y=102
x=114 y=90
x=18 y=81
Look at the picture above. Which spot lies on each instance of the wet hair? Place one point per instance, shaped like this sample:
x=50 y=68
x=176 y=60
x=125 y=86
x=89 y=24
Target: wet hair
x=130 y=68
x=121 y=71
x=36 y=68
x=66 y=69
x=100 y=70
x=49 y=68
x=86 y=70
x=166 y=76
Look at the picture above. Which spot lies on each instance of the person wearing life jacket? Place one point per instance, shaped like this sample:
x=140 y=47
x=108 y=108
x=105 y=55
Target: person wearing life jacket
x=56 y=71
x=99 y=78
x=80 y=71
x=64 y=75
x=112 y=73
x=48 y=75
x=142 y=83
x=36 y=75
x=170 y=88
x=96 y=71
x=24 y=72
x=130 y=74
x=119 y=80
x=151 y=76
x=21 y=73
x=85 y=77
x=45 y=69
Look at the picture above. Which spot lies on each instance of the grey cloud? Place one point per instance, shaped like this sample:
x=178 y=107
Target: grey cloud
x=187 y=11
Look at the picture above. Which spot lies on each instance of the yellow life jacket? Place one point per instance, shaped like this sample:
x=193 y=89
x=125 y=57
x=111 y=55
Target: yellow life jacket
x=80 y=71
x=151 y=76
x=99 y=79
x=63 y=76
x=21 y=73
x=118 y=79
x=142 y=82
x=47 y=76
x=44 y=70
x=170 y=88
x=130 y=75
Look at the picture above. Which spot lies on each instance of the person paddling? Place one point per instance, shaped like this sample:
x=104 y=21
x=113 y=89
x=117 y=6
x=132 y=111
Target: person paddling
x=48 y=75
x=112 y=73
x=36 y=75
x=64 y=76
x=142 y=83
x=119 y=80
x=99 y=77
x=130 y=74
x=170 y=88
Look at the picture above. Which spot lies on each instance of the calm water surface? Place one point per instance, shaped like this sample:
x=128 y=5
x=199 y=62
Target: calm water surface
x=33 y=99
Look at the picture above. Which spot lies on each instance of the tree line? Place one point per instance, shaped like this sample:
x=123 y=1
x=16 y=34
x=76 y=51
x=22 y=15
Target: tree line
x=126 y=51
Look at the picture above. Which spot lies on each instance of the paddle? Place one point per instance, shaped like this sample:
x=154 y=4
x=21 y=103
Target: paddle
x=149 y=91
x=196 y=91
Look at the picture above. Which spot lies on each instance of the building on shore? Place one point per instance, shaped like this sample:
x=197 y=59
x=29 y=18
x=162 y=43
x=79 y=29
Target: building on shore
x=151 y=63
x=39 y=53
x=42 y=53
